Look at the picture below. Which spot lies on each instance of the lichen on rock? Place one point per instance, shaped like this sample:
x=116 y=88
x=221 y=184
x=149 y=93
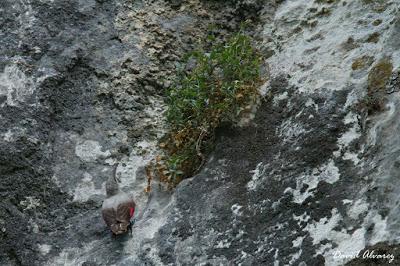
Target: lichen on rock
x=314 y=172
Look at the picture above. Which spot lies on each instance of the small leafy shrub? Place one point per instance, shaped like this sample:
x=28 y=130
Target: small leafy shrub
x=215 y=86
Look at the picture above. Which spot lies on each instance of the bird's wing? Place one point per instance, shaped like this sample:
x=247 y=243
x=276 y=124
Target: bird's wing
x=124 y=210
x=109 y=216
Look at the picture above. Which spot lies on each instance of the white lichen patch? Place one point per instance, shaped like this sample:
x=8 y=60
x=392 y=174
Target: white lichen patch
x=86 y=189
x=328 y=173
x=155 y=116
x=15 y=85
x=381 y=231
x=302 y=218
x=236 y=209
x=264 y=88
x=223 y=244
x=349 y=136
x=127 y=168
x=44 y=249
x=298 y=241
x=244 y=255
x=346 y=242
x=90 y=151
x=290 y=130
x=30 y=203
x=280 y=97
x=8 y=136
x=152 y=220
x=296 y=244
x=351 y=156
x=258 y=175
x=359 y=207
x=75 y=256
x=33 y=226
x=347 y=201
x=350 y=118
x=276 y=261
x=353 y=133
x=27 y=17
x=310 y=103
x=45 y=73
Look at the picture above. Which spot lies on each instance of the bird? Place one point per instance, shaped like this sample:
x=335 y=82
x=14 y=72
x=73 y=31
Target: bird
x=118 y=208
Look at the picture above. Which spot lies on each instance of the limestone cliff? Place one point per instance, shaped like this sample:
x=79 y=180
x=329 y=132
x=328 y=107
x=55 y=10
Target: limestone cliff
x=313 y=175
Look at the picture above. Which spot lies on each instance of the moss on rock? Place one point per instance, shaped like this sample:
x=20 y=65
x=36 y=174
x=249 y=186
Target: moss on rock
x=379 y=75
x=362 y=62
x=373 y=38
x=377 y=22
x=378 y=78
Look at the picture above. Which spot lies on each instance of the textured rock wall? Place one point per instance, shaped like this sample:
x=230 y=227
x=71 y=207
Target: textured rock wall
x=81 y=85
x=313 y=180
x=81 y=89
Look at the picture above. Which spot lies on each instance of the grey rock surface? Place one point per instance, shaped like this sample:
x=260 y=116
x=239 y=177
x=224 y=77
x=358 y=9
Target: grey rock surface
x=311 y=176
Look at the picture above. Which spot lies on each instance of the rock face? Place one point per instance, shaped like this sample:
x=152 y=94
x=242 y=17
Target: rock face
x=312 y=178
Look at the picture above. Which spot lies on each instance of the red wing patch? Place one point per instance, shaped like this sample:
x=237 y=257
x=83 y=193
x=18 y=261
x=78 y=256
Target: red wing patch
x=131 y=211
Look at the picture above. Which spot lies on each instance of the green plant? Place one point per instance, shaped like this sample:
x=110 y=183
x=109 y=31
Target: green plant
x=214 y=86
